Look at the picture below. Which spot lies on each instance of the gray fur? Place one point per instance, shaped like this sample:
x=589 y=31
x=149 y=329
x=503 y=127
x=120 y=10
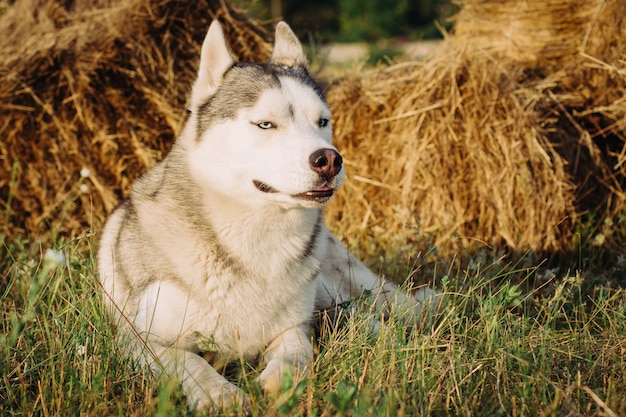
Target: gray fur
x=242 y=85
x=221 y=249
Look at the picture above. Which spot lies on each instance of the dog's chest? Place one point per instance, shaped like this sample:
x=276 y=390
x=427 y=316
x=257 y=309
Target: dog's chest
x=234 y=289
x=236 y=308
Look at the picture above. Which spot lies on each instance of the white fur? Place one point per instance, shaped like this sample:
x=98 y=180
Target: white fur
x=254 y=154
x=211 y=264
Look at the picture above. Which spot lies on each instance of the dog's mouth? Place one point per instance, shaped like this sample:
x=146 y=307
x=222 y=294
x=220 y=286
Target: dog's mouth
x=320 y=194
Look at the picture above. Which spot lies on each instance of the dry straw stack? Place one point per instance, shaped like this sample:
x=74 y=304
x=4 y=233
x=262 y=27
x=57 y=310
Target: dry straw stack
x=101 y=89
x=509 y=133
x=505 y=136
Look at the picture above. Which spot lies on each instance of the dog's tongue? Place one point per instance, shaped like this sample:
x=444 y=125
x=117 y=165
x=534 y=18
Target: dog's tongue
x=320 y=192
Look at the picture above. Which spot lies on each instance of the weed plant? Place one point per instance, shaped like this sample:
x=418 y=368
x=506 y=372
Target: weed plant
x=492 y=348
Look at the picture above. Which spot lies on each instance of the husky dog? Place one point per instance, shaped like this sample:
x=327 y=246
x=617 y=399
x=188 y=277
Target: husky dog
x=221 y=251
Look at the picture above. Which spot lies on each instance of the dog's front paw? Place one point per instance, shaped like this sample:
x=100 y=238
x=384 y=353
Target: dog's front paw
x=411 y=307
x=429 y=301
x=277 y=372
x=224 y=397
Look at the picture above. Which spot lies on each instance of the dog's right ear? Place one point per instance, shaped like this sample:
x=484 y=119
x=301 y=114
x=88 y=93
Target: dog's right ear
x=215 y=60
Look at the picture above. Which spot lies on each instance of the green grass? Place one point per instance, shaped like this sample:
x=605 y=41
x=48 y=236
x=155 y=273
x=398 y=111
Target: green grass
x=492 y=349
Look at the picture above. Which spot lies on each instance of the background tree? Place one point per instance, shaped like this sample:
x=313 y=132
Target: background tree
x=356 y=20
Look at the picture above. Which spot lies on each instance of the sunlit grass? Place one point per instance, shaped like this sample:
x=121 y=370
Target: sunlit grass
x=493 y=348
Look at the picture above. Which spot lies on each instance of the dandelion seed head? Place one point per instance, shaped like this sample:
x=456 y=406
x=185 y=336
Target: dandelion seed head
x=81 y=350
x=85 y=172
x=54 y=256
x=84 y=188
x=598 y=240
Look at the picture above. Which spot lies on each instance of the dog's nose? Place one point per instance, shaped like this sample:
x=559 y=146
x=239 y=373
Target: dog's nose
x=326 y=162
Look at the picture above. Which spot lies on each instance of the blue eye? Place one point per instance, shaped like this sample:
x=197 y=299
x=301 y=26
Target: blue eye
x=323 y=122
x=266 y=125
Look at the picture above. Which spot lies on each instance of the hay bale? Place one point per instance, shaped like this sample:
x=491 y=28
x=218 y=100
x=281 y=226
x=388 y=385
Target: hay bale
x=450 y=150
x=538 y=33
x=101 y=89
x=504 y=137
x=588 y=107
x=572 y=54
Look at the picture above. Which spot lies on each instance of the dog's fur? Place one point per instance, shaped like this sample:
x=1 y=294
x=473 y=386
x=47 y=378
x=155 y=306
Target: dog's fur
x=221 y=249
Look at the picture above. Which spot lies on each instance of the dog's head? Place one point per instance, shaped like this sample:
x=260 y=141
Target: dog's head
x=261 y=133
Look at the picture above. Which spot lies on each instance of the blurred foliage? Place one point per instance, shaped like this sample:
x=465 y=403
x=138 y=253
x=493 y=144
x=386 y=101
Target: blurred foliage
x=356 y=20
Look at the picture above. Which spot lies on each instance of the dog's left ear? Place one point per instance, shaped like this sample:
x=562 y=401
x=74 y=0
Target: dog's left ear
x=287 y=48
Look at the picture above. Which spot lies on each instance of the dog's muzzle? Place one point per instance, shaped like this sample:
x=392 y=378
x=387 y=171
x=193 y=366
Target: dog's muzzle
x=327 y=163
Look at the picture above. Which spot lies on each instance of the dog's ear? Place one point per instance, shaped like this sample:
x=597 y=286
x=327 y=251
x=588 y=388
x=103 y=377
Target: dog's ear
x=215 y=60
x=287 y=48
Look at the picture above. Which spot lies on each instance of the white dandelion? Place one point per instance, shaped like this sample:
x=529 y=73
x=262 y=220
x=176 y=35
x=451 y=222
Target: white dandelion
x=54 y=257
x=81 y=350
